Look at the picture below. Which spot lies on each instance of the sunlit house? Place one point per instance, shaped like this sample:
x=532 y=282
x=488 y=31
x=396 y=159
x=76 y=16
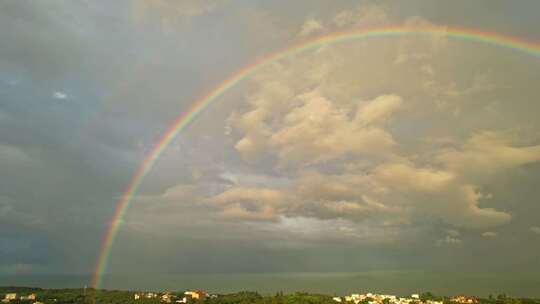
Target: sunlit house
x=31 y=296
x=197 y=294
x=464 y=299
x=10 y=297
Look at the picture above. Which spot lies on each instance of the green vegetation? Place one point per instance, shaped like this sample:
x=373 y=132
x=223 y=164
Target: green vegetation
x=92 y=296
x=279 y=298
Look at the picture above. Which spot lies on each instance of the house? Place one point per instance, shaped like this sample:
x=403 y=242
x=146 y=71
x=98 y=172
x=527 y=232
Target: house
x=337 y=299
x=9 y=297
x=464 y=299
x=31 y=296
x=166 y=298
x=415 y=296
x=197 y=294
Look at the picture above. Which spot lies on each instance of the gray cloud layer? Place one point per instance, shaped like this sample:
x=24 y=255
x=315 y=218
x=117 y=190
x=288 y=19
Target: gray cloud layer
x=383 y=154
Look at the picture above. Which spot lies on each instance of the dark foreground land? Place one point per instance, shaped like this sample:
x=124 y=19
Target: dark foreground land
x=92 y=296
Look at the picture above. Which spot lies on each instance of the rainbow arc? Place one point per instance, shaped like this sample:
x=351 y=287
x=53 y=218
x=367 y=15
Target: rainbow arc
x=454 y=33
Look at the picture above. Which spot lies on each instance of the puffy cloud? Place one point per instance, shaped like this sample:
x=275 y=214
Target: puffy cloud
x=311 y=26
x=486 y=153
x=378 y=110
x=241 y=203
x=535 y=229
x=59 y=95
x=317 y=130
x=390 y=192
x=337 y=196
x=302 y=122
x=406 y=177
x=438 y=194
x=361 y=16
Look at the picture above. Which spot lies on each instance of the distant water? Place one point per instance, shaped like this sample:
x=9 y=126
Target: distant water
x=396 y=282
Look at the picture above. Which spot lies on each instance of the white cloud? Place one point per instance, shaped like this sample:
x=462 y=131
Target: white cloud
x=406 y=177
x=317 y=130
x=535 y=229
x=362 y=16
x=378 y=110
x=241 y=203
x=311 y=26
x=59 y=95
x=487 y=153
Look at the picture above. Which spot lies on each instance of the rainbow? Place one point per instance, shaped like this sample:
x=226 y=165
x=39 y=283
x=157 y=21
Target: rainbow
x=455 y=33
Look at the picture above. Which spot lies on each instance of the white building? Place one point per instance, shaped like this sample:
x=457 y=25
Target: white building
x=31 y=296
x=166 y=298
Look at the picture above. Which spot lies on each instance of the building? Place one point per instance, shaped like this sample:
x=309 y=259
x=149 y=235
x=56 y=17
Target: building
x=197 y=294
x=166 y=298
x=10 y=296
x=337 y=299
x=31 y=296
x=464 y=299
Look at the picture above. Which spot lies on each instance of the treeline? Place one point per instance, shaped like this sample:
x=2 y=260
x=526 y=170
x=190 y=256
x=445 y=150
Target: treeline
x=92 y=296
x=279 y=298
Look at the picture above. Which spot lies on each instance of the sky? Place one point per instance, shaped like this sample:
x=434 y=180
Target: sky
x=391 y=154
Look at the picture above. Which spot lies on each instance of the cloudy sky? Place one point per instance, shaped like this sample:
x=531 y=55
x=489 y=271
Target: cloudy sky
x=403 y=153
